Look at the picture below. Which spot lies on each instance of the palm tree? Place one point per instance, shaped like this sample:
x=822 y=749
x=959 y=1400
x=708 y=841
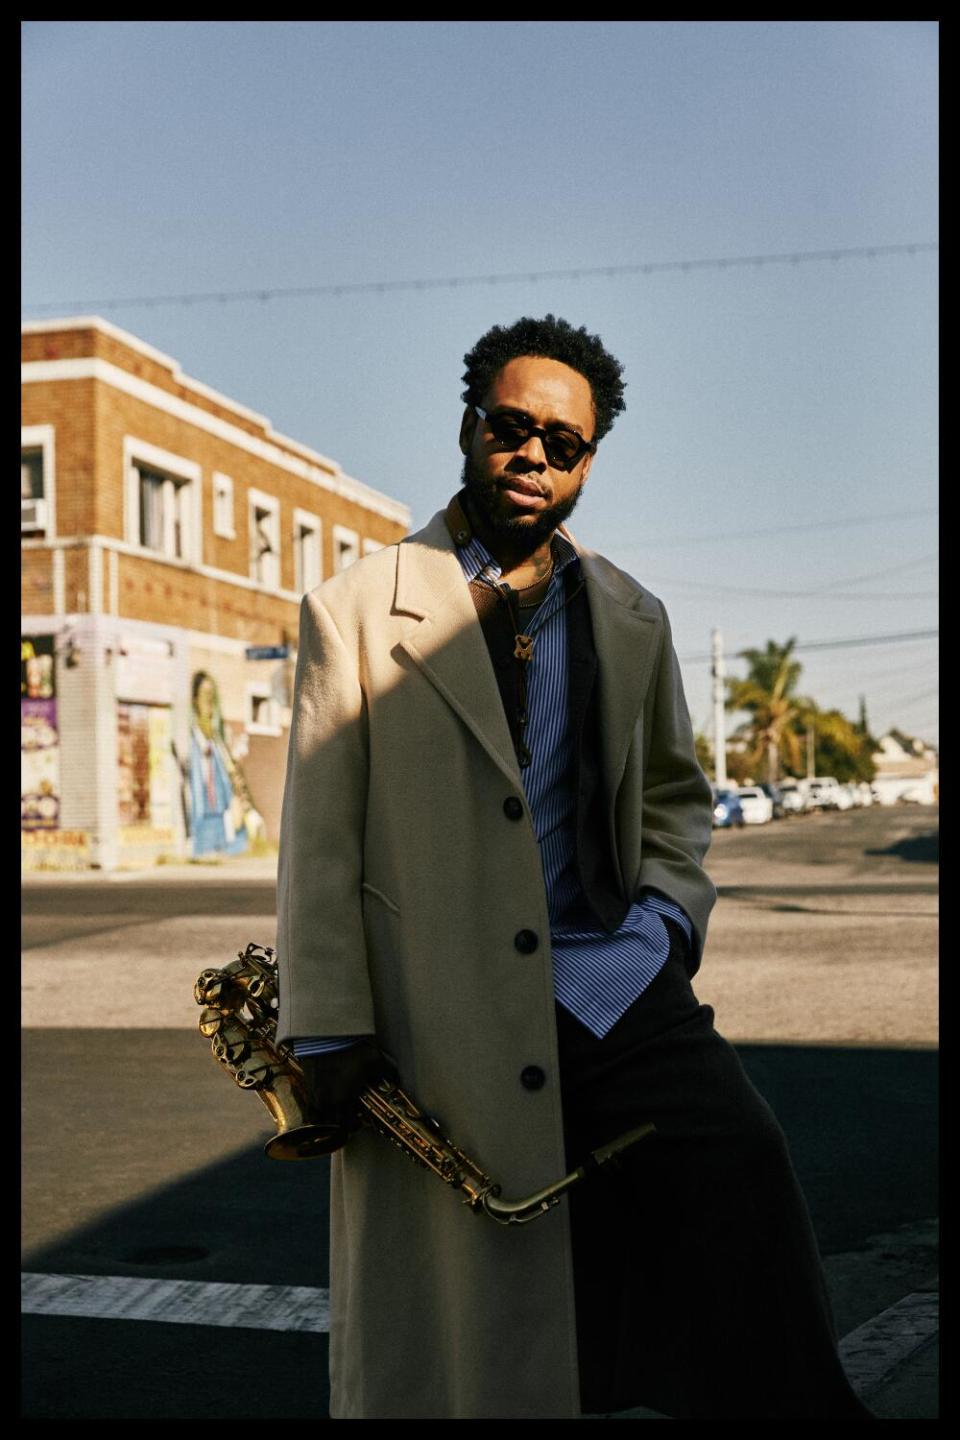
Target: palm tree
x=767 y=694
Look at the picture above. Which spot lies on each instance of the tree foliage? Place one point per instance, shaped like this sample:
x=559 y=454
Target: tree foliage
x=775 y=734
x=768 y=695
x=841 y=748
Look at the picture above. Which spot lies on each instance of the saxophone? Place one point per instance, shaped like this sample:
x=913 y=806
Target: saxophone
x=239 y=1018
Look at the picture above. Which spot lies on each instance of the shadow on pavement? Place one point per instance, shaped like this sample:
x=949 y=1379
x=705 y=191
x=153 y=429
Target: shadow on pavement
x=918 y=849
x=862 y=1127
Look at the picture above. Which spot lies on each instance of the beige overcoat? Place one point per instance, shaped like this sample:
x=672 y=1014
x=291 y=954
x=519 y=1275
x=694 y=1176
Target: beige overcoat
x=402 y=886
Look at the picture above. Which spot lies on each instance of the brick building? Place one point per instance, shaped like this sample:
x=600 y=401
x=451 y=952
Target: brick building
x=168 y=535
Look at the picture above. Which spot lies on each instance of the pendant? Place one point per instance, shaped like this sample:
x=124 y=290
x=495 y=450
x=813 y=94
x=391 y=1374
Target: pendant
x=523 y=649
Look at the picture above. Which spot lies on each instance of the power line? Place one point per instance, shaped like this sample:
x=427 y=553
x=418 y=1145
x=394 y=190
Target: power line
x=839 y=644
x=912 y=700
x=776 y=530
x=451 y=282
x=755 y=592
x=826 y=592
x=867 y=640
x=880 y=574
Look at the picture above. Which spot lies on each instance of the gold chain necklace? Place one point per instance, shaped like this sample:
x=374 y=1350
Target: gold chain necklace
x=523 y=648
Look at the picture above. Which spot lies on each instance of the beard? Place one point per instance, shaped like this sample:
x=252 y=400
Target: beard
x=523 y=534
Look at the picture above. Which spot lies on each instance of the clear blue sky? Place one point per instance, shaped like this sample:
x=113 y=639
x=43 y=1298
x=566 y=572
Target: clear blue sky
x=177 y=157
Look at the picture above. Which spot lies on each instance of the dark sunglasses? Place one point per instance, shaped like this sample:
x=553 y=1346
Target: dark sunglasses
x=563 y=448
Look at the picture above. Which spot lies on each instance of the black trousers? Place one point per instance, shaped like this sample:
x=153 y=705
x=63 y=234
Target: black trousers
x=699 y=1287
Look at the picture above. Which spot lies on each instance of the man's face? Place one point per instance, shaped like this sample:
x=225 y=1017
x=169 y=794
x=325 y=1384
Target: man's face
x=519 y=495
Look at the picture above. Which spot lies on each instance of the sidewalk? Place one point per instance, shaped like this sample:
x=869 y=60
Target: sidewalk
x=228 y=869
x=895 y=1388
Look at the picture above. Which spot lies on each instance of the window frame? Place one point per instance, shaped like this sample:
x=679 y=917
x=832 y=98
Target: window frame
x=259 y=499
x=306 y=520
x=42 y=438
x=223 y=486
x=344 y=536
x=261 y=690
x=183 y=477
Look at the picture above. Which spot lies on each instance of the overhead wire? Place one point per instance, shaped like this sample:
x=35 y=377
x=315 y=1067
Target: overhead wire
x=856 y=640
x=450 y=282
x=834 y=524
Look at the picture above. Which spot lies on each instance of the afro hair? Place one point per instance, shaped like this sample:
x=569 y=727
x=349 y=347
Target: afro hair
x=554 y=339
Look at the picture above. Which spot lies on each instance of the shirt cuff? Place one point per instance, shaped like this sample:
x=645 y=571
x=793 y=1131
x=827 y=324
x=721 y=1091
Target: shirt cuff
x=668 y=910
x=317 y=1045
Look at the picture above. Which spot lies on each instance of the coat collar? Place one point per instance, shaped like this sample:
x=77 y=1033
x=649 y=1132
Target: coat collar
x=448 y=644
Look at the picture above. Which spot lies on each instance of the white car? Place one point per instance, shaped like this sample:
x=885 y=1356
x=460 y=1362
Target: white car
x=792 y=798
x=757 y=807
x=822 y=793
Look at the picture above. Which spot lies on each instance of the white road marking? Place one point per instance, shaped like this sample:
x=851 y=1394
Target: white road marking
x=177 y=1302
x=869 y=1353
x=872 y=1351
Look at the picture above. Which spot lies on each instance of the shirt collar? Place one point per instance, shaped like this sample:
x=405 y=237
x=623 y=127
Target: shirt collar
x=475 y=558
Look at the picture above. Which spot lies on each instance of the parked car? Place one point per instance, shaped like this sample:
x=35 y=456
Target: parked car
x=792 y=798
x=727 y=809
x=757 y=807
x=821 y=793
x=776 y=797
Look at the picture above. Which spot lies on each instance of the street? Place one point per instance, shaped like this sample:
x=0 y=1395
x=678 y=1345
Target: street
x=142 y=1162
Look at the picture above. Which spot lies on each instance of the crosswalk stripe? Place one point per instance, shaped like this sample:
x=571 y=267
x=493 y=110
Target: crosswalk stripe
x=869 y=1353
x=177 y=1302
x=876 y=1348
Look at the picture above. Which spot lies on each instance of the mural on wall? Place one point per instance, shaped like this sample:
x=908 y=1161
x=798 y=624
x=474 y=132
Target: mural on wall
x=39 y=736
x=223 y=816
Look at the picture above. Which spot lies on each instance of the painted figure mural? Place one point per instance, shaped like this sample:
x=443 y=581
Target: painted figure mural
x=224 y=818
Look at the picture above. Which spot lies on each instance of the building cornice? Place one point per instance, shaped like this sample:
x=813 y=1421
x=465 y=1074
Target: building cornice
x=139 y=552
x=274 y=448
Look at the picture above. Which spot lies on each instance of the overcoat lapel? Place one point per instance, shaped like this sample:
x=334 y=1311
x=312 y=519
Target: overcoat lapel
x=448 y=645
x=627 y=634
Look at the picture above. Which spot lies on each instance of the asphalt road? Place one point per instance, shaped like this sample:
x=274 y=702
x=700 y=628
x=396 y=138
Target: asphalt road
x=141 y=1160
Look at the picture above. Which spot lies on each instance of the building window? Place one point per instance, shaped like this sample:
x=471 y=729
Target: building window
x=308 y=570
x=36 y=480
x=33 y=509
x=264 y=524
x=163 y=495
x=31 y=474
x=164 y=512
x=263 y=711
x=369 y=546
x=223 y=506
x=346 y=547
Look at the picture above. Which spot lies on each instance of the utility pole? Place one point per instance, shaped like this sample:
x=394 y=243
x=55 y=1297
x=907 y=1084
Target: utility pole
x=811 y=771
x=718 y=671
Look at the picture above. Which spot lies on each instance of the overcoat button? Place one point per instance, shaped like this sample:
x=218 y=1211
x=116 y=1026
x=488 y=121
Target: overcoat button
x=513 y=808
x=532 y=1078
x=526 y=941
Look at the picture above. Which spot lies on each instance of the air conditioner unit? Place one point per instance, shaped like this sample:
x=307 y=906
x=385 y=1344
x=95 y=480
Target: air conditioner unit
x=33 y=514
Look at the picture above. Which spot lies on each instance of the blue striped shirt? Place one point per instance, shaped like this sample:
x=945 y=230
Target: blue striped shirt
x=597 y=976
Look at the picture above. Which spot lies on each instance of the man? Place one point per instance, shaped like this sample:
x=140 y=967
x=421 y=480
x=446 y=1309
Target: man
x=491 y=879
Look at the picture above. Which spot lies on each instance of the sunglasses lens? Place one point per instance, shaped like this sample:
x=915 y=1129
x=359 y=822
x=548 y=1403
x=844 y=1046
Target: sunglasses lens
x=508 y=429
x=561 y=447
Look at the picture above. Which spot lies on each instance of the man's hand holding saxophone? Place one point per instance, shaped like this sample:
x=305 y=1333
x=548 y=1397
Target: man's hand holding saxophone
x=335 y=1080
